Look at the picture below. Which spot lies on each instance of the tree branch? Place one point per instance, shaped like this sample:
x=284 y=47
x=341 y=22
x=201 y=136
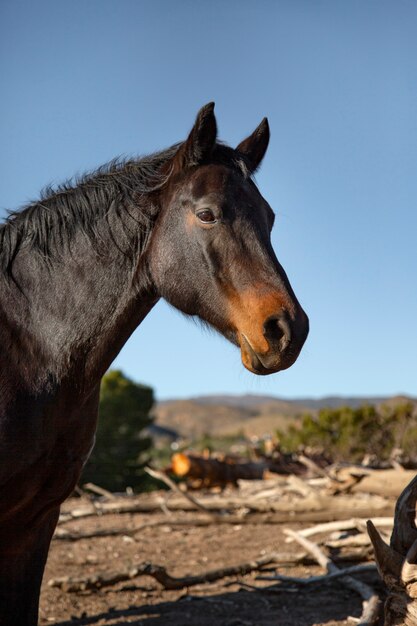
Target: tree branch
x=371 y=602
x=159 y=573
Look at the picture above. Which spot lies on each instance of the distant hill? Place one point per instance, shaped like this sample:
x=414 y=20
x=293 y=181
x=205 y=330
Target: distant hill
x=252 y=415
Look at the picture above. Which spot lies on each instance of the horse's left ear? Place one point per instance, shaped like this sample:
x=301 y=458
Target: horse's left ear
x=254 y=146
x=200 y=142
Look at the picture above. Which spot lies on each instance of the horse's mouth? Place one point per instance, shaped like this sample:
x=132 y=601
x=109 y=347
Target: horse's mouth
x=260 y=364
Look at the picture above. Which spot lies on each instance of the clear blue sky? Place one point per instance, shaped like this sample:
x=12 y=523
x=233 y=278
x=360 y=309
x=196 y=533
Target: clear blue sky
x=86 y=80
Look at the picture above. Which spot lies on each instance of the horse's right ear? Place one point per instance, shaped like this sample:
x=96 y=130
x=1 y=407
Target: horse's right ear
x=255 y=146
x=200 y=142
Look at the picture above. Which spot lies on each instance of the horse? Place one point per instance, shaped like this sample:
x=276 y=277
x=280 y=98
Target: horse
x=79 y=271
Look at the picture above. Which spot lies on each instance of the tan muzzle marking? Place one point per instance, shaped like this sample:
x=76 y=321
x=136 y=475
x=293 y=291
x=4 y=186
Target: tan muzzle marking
x=248 y=311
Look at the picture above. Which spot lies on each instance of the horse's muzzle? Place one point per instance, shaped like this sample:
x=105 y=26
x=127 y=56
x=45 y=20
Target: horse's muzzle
x=285 y=338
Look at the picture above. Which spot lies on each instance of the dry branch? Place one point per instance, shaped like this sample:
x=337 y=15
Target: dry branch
x=159 y=573
x=119 y=506
x=65 y=535
x=99 y=490
x=302 y=487
x=354 y=569
x=371 y=603
x=170 y=483
x=311 y=465
x=350 y=524
x=359 y=540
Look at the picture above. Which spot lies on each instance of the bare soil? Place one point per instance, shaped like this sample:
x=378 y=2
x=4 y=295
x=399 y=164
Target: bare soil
x=185 y=550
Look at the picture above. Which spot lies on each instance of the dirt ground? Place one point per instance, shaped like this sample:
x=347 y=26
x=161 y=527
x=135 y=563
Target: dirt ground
x=185 y=550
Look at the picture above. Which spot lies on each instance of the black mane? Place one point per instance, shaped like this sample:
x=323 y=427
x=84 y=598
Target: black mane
x=48 y=224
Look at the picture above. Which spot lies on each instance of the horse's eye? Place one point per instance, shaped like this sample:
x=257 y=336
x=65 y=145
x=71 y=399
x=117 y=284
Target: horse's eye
x=206 y=216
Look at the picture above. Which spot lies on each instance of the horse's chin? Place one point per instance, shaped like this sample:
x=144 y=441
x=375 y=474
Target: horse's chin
x=259 y=370
x=253 y=361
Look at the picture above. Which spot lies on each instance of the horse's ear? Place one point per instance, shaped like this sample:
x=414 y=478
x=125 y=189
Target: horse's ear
x=254 y=146
x=200 y=142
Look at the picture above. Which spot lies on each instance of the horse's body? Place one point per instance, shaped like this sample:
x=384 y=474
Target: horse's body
x=79 y=271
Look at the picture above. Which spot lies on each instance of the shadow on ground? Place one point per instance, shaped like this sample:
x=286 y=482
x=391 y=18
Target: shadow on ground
x=328 y=605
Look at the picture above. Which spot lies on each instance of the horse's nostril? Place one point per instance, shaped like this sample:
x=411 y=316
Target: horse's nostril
x=277 y=332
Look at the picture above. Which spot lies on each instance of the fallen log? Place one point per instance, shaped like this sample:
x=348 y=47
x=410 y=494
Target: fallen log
x=203 y=471
x=211 y=472
x=387 y=483
x=313 y=508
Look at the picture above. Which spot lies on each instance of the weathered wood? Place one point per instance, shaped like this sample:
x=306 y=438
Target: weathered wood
x=387 y=483
x=166 y=479
x=212 y=472
x=371 y=602
x=349 y=524
x=361 y=539
x=313 y=508
x=345 y=480
x=99 y=490
x=119 y=506
x=397 y=563
x=311 y=465
x=97 y=581
x=323 y=578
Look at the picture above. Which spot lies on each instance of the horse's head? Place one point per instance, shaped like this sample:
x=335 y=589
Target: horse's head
x=211 y=254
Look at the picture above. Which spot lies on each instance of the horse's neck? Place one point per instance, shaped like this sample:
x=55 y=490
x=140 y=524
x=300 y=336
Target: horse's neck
x=75 y=313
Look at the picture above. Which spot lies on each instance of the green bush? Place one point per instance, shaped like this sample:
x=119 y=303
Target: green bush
x=349 y=434
x=120 y=451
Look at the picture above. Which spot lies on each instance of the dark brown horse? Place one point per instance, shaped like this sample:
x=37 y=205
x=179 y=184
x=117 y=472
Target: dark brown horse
x=79 y=270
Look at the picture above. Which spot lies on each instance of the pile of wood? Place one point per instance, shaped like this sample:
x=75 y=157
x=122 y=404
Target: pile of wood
x=206 y=471
x=209 y=471
x=348 y=495
x=342 y=493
